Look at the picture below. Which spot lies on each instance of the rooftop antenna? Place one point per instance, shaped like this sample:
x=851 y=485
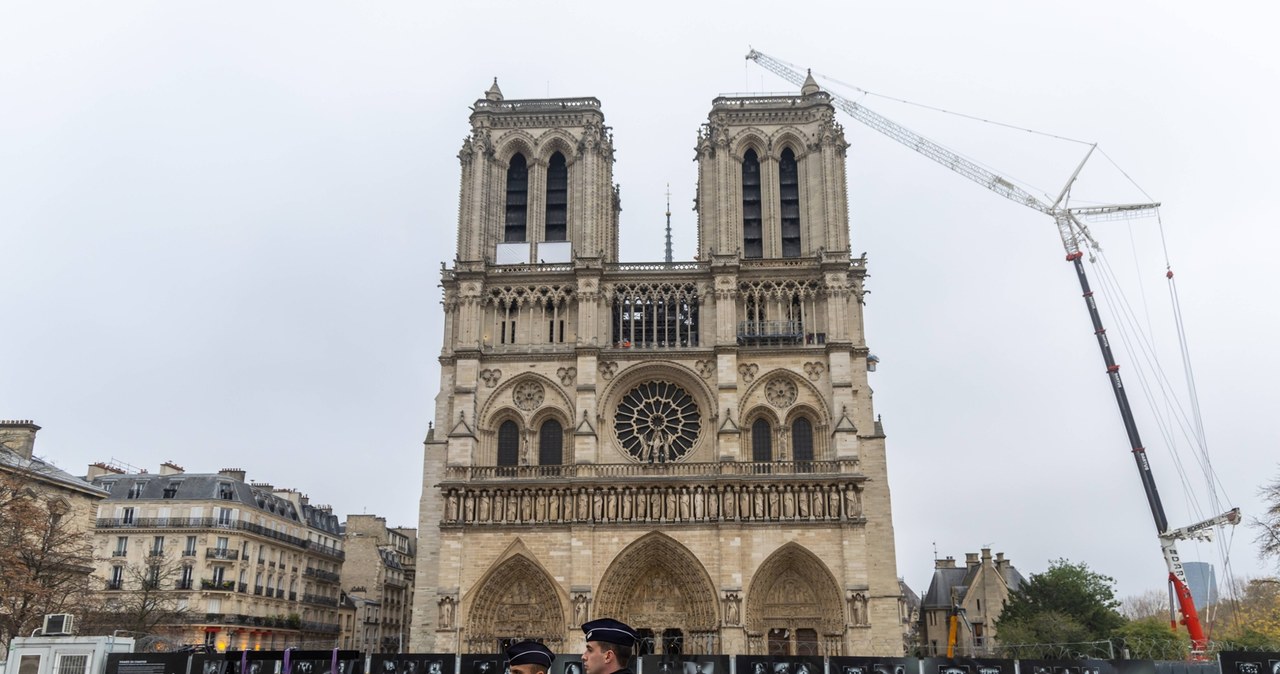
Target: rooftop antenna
x=668 y=223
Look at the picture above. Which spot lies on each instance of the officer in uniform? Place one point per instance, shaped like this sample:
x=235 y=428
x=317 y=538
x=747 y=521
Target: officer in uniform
x=529 y=657
x=610 y=644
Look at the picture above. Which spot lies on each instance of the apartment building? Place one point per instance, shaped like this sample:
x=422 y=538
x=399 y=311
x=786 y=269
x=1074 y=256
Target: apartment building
x=249 y=566
x=380 y=568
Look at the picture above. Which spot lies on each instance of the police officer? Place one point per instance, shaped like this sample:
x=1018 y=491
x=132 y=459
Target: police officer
x=610 y=644
x=529 y=657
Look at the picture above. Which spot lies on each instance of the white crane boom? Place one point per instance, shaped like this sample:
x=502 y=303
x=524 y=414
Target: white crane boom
x=1070 y=228
x=1072 y=231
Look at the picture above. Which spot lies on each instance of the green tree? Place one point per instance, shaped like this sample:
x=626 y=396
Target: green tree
x=1068 y=603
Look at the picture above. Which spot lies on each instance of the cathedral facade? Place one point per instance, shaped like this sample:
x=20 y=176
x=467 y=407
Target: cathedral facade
x=689 y=447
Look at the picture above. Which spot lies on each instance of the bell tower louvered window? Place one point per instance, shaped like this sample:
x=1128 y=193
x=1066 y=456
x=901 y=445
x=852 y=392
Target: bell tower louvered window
x=508 y=444
x=557 y=199
x=752 y=224
x=517 y=200
x=789 y=190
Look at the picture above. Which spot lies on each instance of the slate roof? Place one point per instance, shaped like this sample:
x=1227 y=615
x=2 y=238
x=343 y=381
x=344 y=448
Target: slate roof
x=212 y=486
x=47 y=472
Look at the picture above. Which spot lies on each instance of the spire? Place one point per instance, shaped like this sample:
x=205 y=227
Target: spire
x=810 y=85
x=668 y=223
x=494 y=93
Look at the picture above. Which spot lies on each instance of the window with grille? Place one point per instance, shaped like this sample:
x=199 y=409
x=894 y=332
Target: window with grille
x=761 y=441
x=517 y=200
x=802 y=440
x=508 y=444
x=551 y=443
x=752 y=224
x=72 y=664
x=557 y=199
x=789 y=191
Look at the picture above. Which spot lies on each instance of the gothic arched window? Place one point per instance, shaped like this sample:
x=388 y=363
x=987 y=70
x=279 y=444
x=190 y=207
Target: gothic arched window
x=752 y=224
x=508 y=444
x=517 y=199
x=789 y=190
x=551 y=443
x=557 y=199
x=801 y=440
x=761 y=441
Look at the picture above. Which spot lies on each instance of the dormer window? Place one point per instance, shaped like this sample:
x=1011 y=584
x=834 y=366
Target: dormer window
x=171 y=489
x=517 y=200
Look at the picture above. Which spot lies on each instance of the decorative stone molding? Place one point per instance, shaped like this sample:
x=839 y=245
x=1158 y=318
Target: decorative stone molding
x=567 y=375
x=705 y=368
x=748 y=372
x=814 y=370
x=780 y=391
x=490 y=377
x=528 y=395
x=607 y=369
x=666 y=504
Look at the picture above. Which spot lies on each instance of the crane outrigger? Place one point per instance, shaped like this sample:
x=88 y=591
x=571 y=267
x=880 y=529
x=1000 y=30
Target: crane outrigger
x=1075 y=236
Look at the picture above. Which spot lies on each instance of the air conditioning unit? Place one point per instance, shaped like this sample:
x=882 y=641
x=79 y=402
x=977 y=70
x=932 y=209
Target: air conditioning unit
x=57 y=624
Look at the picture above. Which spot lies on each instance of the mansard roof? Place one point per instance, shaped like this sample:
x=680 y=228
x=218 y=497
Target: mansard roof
x=46 y=472
x=179 y=487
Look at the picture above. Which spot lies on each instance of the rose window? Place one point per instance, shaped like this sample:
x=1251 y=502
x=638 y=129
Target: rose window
x=657 y=422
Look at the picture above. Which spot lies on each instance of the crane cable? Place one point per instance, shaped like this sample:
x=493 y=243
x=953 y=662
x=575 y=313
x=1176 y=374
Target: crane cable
x=1125 y=316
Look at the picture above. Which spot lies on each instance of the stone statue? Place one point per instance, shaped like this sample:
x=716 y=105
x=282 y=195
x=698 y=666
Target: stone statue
x=446 y=613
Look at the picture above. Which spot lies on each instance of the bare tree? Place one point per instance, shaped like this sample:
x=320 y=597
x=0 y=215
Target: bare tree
x=1268 y=525
x=1149 y=604
x=148 y=601
x=46 y=561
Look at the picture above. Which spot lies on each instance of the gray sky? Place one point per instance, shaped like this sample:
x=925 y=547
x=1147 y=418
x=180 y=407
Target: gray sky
x=221 y=227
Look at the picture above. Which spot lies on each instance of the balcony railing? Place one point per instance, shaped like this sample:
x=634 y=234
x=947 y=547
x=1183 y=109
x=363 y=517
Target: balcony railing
x=115 y=584
x=189 y=553
x=224 y=554
x=119 y=553
x=768 y=333
x=309 y=626
x=257 y=589
x=183 y=584
x=196 y=523
x=328 y=551
x=320 y=574
x=225 y=585
x=242 y=588
x=650 y=470
x=317 y=599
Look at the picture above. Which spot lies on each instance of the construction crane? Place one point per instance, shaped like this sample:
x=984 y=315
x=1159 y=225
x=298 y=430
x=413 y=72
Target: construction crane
x=1075 y=237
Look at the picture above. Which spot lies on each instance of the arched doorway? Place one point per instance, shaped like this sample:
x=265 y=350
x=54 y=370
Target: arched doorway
x=666 y=595
x=516 y=600
x=794 y=606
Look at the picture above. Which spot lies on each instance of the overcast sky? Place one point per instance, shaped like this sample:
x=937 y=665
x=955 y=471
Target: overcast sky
x=222 y=224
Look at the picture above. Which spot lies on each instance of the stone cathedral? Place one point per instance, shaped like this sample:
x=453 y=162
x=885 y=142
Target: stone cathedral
x=689 y=446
